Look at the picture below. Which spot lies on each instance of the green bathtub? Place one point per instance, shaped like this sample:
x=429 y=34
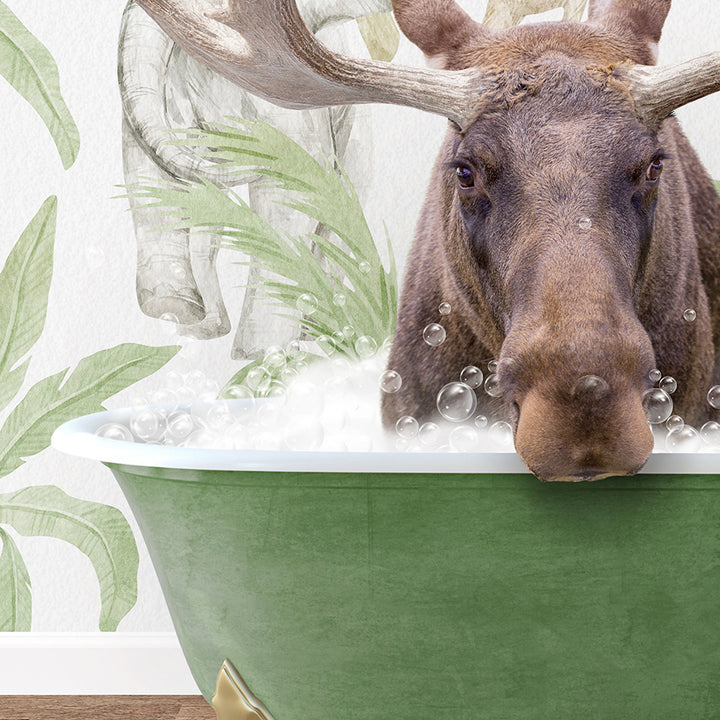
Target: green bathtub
x=433 y=587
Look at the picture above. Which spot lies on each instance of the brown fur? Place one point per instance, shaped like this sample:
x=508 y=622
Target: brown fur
x=553 y=302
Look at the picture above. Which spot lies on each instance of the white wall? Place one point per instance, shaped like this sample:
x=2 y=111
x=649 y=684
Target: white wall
x=93 y=306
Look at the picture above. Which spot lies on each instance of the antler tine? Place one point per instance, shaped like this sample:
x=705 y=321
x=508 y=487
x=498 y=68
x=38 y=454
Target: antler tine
x=265 y=47
x=658 y=90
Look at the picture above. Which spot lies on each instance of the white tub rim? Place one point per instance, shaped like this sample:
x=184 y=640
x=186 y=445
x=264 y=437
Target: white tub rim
x=77 y=437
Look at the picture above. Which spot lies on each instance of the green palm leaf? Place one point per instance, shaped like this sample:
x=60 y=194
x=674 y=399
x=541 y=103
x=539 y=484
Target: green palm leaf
x=15 y=593
x=319 y=190
x=380 y=34
x=99 y=531
x=24 y=288
x=28 y=66
x=63 y=396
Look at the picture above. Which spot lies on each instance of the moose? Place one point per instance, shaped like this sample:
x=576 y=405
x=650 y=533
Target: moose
x=569 y=224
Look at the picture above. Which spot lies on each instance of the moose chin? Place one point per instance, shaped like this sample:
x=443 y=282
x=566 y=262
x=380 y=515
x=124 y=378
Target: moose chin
x=569 y=224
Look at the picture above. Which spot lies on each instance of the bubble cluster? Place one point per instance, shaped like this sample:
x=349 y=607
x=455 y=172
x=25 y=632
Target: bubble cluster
x=333 y=405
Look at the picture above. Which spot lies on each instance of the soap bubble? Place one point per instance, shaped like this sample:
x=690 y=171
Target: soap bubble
x=115 y=431
x=492 y=386
x=305 y=435
x=268 y=441
x=407 y=427
x=464 y=439
x=585 y=223
x=365 y=347
x=359 y=442
x=307 y=303
x=179 y=425
x=327 y=344
x=674 y=422
x=200 y=438
x=501 y=434
x=348 y=331
x=689 y=315
x=472 y=376
x=339 y=299
x=658 y=405
x=278 y=392
x=685 y=439
x=238 y=392
x=445 y=308
x=456 y=402
x=710 y=433
x=481 y=422
x=218 y=417
x=430 y=435
x=668 y=384
x=274 y=357
x=163 y=401
x=654 y=375
x=434 y=334
x=492 y=366
x=304 y=399
x=365 y=267
x=390 y=381
x=258 y=379
x=146 y=425
x=590 y=387
x=713 y=396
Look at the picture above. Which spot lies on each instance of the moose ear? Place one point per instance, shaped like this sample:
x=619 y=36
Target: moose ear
x=643 y=19
x=437 y=27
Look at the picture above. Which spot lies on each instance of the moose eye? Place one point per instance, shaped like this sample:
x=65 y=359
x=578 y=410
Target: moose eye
x=465 y=176
x=654 y=170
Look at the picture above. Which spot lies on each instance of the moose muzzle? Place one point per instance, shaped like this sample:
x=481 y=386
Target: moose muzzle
x=577 y=400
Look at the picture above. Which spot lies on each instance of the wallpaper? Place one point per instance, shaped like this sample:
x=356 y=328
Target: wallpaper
x=111 y=280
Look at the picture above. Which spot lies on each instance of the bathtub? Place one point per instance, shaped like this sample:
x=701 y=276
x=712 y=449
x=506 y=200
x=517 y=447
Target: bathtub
x=349 y=586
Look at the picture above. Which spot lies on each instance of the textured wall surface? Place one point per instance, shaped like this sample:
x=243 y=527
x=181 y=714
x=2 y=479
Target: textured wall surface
x=92 y=303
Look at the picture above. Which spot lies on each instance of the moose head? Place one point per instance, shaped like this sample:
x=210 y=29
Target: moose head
x=568 y=223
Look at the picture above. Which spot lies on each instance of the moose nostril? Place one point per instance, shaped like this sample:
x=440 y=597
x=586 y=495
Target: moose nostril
x=590 y=387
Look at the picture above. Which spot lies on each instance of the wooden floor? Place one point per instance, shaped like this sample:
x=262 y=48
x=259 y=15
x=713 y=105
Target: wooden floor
x=105 y=707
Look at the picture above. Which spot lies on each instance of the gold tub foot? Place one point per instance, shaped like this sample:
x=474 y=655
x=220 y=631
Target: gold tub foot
x=233 y=700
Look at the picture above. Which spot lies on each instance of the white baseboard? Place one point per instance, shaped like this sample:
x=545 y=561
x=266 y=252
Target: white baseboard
x=93 y=664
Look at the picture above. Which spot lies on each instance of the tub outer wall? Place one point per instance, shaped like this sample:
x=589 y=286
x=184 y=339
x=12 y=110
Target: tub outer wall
x=451 y=597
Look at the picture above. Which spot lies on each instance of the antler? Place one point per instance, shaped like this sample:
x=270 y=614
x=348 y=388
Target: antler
x=658 y=90
x=265 y=47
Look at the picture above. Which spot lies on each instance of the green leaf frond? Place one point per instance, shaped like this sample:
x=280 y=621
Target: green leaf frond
x=316 y=187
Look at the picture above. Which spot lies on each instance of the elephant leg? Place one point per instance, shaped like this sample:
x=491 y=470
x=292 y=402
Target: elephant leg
x=260 y=326
x=164 y=279
x=203 y=254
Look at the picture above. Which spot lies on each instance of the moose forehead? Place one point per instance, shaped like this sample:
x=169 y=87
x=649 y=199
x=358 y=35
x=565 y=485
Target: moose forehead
x=557 y=113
